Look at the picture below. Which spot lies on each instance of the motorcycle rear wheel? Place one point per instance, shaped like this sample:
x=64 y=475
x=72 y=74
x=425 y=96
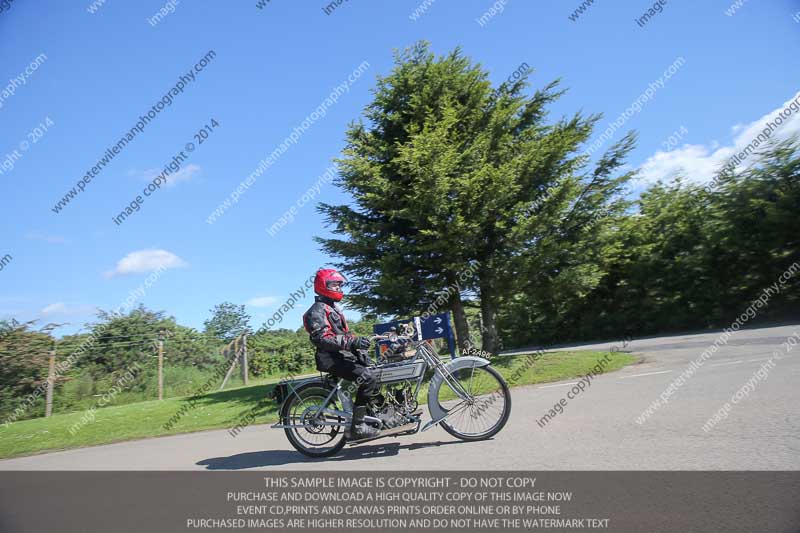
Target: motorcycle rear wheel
x=312 y=440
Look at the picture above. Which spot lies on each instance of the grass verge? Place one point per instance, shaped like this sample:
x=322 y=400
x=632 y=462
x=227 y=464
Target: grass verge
x=225 y=409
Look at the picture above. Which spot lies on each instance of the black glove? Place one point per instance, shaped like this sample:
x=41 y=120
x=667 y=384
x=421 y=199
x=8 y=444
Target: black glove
x=359 y=343
x=363 y=343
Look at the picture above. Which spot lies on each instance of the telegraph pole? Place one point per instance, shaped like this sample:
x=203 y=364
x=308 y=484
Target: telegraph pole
x=161 y=365
x=244 y=359
x=234 y=358
x=51 y=370
x=51 y=378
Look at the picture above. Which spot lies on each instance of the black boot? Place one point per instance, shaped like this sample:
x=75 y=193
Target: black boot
x=360 y=429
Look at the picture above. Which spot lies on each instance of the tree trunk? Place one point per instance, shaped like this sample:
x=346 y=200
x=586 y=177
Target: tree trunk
x=460 y=322
x=489 y=321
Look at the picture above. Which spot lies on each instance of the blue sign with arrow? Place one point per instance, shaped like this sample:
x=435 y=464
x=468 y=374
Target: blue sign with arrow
x=432 y=327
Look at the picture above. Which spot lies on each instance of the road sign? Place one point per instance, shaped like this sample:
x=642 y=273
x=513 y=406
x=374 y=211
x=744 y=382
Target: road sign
x=432 y=327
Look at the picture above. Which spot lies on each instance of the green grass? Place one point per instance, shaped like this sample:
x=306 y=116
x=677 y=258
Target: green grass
x=178 y=382
x=224 y=409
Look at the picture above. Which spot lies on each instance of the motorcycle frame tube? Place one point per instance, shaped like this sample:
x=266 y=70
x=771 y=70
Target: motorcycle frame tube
x=442 y=373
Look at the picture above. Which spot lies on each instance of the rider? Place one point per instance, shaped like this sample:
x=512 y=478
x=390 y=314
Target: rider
x=338 y=350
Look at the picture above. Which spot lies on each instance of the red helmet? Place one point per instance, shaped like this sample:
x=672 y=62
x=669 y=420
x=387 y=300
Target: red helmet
x=328 y=282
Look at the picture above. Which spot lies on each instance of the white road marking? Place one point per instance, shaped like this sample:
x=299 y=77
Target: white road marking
x=728 y=363
x=558 y=385
x=647 y=374
x=761 y=359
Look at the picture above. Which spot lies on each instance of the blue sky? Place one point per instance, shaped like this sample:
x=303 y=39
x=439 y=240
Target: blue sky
x=273 y=67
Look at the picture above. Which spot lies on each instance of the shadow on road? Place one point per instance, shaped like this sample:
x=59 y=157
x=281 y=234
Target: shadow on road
x=242 y=461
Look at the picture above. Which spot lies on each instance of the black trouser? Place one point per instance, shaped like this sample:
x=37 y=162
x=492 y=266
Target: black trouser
x=360 y=375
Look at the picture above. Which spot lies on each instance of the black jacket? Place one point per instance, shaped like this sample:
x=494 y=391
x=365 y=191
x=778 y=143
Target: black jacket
x=327 y=328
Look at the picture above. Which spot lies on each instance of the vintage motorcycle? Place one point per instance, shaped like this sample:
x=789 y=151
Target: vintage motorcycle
x=466 y=396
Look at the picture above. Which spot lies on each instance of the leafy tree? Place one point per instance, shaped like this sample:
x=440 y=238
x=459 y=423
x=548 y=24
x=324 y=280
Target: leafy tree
x=284 y=351
x=755 y=233
x=449 y=175
x=228 y=321
x=279 y=351
x=119 y=341
x=24 y=355
x=115 y=344
x=685 y=258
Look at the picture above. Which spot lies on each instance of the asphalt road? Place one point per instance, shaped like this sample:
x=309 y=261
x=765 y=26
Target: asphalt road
x=597 y=430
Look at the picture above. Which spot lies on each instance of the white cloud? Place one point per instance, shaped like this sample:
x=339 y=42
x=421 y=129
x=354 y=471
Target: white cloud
x=52 y=309
x=699 y=163
x=184 y=174
x=60 y=308
x=262 y=301
x=146 y=261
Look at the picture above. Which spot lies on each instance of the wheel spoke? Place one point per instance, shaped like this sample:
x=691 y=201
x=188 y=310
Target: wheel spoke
x=313 y=438
x=483 y=411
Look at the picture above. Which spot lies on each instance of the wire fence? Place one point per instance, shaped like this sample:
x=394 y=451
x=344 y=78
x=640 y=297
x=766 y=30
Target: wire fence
x=147 y=366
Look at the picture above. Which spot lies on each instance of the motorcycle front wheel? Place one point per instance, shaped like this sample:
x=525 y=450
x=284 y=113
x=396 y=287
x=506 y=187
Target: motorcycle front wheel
x=484 y=411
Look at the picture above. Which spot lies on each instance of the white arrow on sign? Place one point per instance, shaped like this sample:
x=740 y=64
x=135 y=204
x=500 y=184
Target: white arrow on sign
x=438 y=320
x=439 y=330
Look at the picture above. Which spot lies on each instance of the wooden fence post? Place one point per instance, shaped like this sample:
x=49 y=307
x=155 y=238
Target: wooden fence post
x=161 y=365
x=245 y=369
x=235 y=357
x=51 y=378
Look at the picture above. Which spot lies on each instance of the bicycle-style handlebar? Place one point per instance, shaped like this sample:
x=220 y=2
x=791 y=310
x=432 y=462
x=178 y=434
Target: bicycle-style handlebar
x=390 y=337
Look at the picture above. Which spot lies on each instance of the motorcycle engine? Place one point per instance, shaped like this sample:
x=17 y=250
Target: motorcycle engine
x=396 y=405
